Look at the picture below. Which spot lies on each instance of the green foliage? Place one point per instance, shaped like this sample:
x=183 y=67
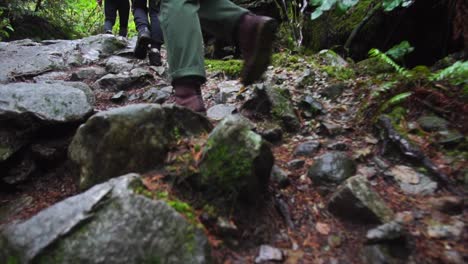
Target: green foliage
x=399 y=51
x=386 y=86
x=292 y=13
x=375 y=53
x=389 y=5
x=229 y=67
x=395 y=100
x=5 y=25
x=326 y=5
x=456 y=74
x=287 y=60
x=343 y=5
x=79 y=18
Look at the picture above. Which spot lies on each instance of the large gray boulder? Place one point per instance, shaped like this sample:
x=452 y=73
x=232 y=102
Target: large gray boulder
x=236 y=161
x=49 y=102
x=109 y=223
x=133 y=138
x=355 y=201
x=26 y=58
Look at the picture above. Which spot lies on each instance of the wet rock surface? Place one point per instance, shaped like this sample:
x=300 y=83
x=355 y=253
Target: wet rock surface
x=236 y=161
x=82 y=228
x=355 y=201
x=331 y=169
x=137 y=135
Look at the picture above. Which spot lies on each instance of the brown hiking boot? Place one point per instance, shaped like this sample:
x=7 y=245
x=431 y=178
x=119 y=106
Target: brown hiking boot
x=255 y=37
x=188 y=94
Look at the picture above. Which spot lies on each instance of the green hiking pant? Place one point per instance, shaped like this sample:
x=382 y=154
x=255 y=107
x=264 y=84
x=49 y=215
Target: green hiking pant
x=181 y=23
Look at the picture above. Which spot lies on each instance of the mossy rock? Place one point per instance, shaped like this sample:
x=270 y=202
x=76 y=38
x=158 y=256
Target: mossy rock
x=133 y=138
x=110 y=223
x=236 y=161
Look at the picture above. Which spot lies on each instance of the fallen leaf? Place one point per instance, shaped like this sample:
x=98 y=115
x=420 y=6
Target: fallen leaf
x=322 y=228
x=405 y=174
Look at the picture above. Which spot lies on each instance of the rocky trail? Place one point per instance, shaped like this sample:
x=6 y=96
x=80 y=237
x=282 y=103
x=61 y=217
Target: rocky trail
x=98 y=166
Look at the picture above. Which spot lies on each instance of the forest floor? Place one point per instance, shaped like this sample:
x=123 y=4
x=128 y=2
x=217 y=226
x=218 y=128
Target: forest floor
x=293 y=217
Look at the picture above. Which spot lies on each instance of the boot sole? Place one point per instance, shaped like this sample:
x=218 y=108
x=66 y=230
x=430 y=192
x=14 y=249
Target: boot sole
x=253 y=69
x=141 y=47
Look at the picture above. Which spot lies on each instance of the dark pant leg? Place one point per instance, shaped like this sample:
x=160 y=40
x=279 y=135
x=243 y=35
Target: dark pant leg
x=124 y=12
x=140 y=14
x=180 y=21
x=156 y=32
x=110 y=12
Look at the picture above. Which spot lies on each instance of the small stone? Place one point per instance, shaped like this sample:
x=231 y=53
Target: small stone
x=269 y=253
x=307 y=148
x=411 y=181
x=331 y=128
x=311 y=106
x=341 y=146
x=385 y=232
x=405 y=174
x=280 y=176
x=451 y=205
x=225 y=227
x=404 y=217
x=452 y=230
x=220 y=111
x=155 y=95
x=432 y=123
x=118 y=97
x=450 y=137
x=453 y=257
x=331 y=169
x=296 y=164
x=272 y=135
x=355 y=201
x=334 y=91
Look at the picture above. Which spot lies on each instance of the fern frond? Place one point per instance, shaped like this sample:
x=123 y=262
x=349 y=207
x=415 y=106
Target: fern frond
x=397 y=99
x=383 y=88
x=375 y=53
x=457 y=73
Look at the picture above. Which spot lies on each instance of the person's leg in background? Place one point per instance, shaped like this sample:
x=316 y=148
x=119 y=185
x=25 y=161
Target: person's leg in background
x=110 y=13
x=124 y=12
x=180 y=21
x=156 y=35
x=140 y=14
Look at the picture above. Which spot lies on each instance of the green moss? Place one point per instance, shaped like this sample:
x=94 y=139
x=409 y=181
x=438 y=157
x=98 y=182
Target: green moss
x=229 y=67
x=4 y=153
x=288 y=61
x=397 y=115
x=227 y=166
x=339 y=73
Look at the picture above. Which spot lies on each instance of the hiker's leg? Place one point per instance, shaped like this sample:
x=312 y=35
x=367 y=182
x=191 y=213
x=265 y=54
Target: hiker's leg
x=140 y=14
x=156 y=31
x=124 y=12
x=182 y=34
x=220 y=18
x=110 y=13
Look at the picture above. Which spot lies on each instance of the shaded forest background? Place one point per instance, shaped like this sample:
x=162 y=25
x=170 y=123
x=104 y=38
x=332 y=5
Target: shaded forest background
x=435 y=28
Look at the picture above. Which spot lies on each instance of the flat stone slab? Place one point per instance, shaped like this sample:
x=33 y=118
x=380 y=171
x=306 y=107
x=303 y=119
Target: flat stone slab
x=51 y=102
